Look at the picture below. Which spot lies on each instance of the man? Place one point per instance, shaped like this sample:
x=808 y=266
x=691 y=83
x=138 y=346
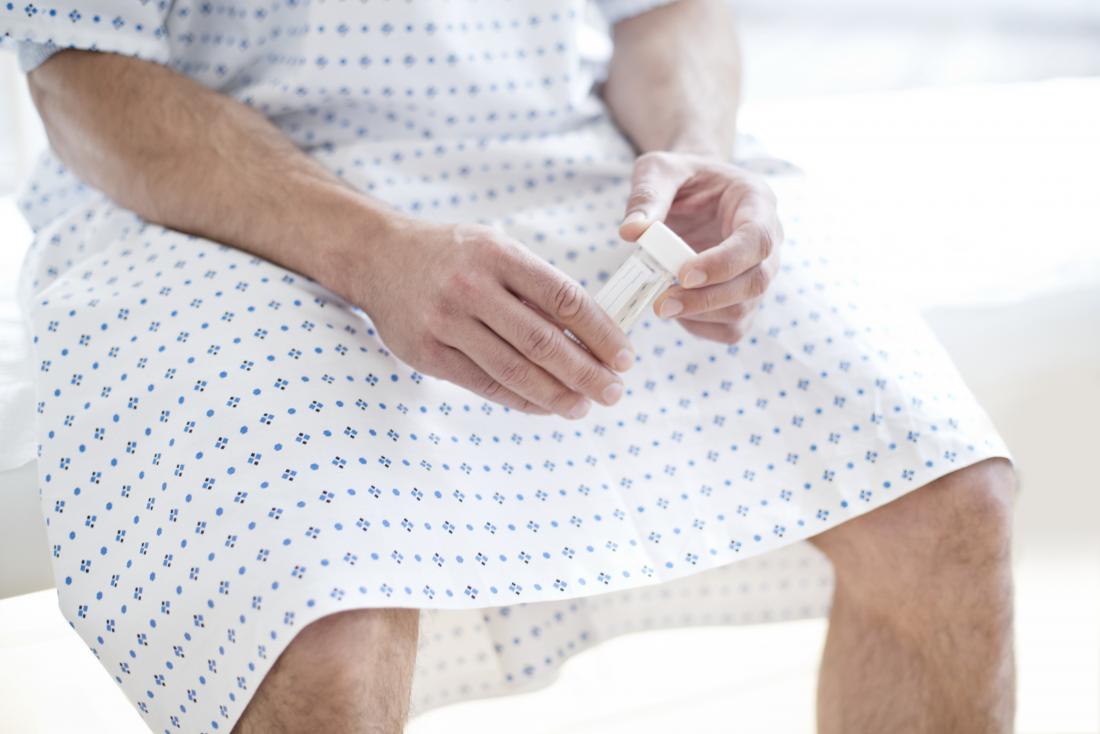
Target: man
x=404 y=160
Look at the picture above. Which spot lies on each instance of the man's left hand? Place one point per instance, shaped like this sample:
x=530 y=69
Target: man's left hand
x=727 y=215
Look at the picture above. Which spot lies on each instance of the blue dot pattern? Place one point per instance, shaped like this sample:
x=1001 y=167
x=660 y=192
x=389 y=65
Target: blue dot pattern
x=228 y=451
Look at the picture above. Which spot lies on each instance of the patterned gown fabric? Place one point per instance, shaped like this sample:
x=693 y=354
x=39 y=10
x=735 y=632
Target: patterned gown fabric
x=228 y=451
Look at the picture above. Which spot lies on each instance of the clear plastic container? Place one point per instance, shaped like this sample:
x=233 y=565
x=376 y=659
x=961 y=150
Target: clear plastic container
x=651 y=268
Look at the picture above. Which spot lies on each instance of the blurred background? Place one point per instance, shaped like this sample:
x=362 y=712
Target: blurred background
x=955 y=149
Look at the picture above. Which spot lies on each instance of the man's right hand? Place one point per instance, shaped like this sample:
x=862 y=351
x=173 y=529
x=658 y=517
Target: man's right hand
x=471 y=305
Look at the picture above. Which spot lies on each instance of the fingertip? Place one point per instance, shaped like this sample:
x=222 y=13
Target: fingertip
x=624 y=359
x=579 y=409
x=633 y=225
x=612 y=393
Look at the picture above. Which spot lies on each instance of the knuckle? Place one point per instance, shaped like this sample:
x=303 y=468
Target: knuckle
x=515 y=374
x=765 y=243
x=642 y=193
x=528 y=406
x=492 y=388
x=427 y=352
x=710 y=299
x=588 y=376
x=604 y=330
x=725 y=264
x=437 y=316
x=567 y=299
x=459 y=286
x=541 y=343
x=759 y=280
x=563 y=400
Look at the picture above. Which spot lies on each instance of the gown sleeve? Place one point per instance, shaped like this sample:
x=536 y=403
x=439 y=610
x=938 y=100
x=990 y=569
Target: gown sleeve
x=132 y=27
x=616 y=10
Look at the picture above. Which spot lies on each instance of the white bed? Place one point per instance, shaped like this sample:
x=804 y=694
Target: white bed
x=980 y=205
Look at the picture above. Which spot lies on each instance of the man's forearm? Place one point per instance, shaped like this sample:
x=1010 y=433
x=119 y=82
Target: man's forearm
x=186 y=157
x=674 y=78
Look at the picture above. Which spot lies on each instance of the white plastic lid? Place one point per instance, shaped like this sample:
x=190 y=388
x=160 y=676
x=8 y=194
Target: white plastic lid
x=666 y=247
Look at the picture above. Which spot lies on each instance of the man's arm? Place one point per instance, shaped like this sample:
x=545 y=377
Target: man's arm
x=673 y=87
x=451 y=300
x=186 y=157
x=674 y=78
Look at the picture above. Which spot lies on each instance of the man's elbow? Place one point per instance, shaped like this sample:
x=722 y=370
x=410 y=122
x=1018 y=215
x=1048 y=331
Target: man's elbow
x=48 y=76
x=48 y=84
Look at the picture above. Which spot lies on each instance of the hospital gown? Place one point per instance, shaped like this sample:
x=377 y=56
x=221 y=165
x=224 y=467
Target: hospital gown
x=228 y=451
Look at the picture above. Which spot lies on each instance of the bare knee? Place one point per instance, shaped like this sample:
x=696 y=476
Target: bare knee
x=348 y=671
x=976 y=511
x=945 y=541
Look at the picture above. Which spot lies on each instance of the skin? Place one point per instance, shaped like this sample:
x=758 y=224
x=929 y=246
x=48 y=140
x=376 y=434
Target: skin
x=921 y=628
x=920 y=636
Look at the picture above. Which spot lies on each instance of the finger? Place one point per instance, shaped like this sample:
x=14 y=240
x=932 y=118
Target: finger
x=656 y=179
x=513 y=371
x=567 y=303
x=546 y=345
x=750 y=243
x=722 y=333
x=726 y=315
x=454 y=366
x=677 y=301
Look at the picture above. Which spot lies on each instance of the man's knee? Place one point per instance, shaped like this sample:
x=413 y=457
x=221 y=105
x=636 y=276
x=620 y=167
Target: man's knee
x=352 y=647
x=954 y=531
x=339 y=632
x=976 y=511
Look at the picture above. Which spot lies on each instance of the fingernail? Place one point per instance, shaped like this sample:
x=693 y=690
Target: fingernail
x=693 y=278
x=624 y=360
x=633 y=217
x=579 y=410
x=670 y=308
x=612 y=392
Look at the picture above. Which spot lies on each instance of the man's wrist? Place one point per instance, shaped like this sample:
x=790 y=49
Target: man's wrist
x=351 y=233
x=705 y=144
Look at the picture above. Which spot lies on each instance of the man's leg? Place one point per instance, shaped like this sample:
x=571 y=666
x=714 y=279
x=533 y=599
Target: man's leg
x=920 y=634
x=345 y=673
